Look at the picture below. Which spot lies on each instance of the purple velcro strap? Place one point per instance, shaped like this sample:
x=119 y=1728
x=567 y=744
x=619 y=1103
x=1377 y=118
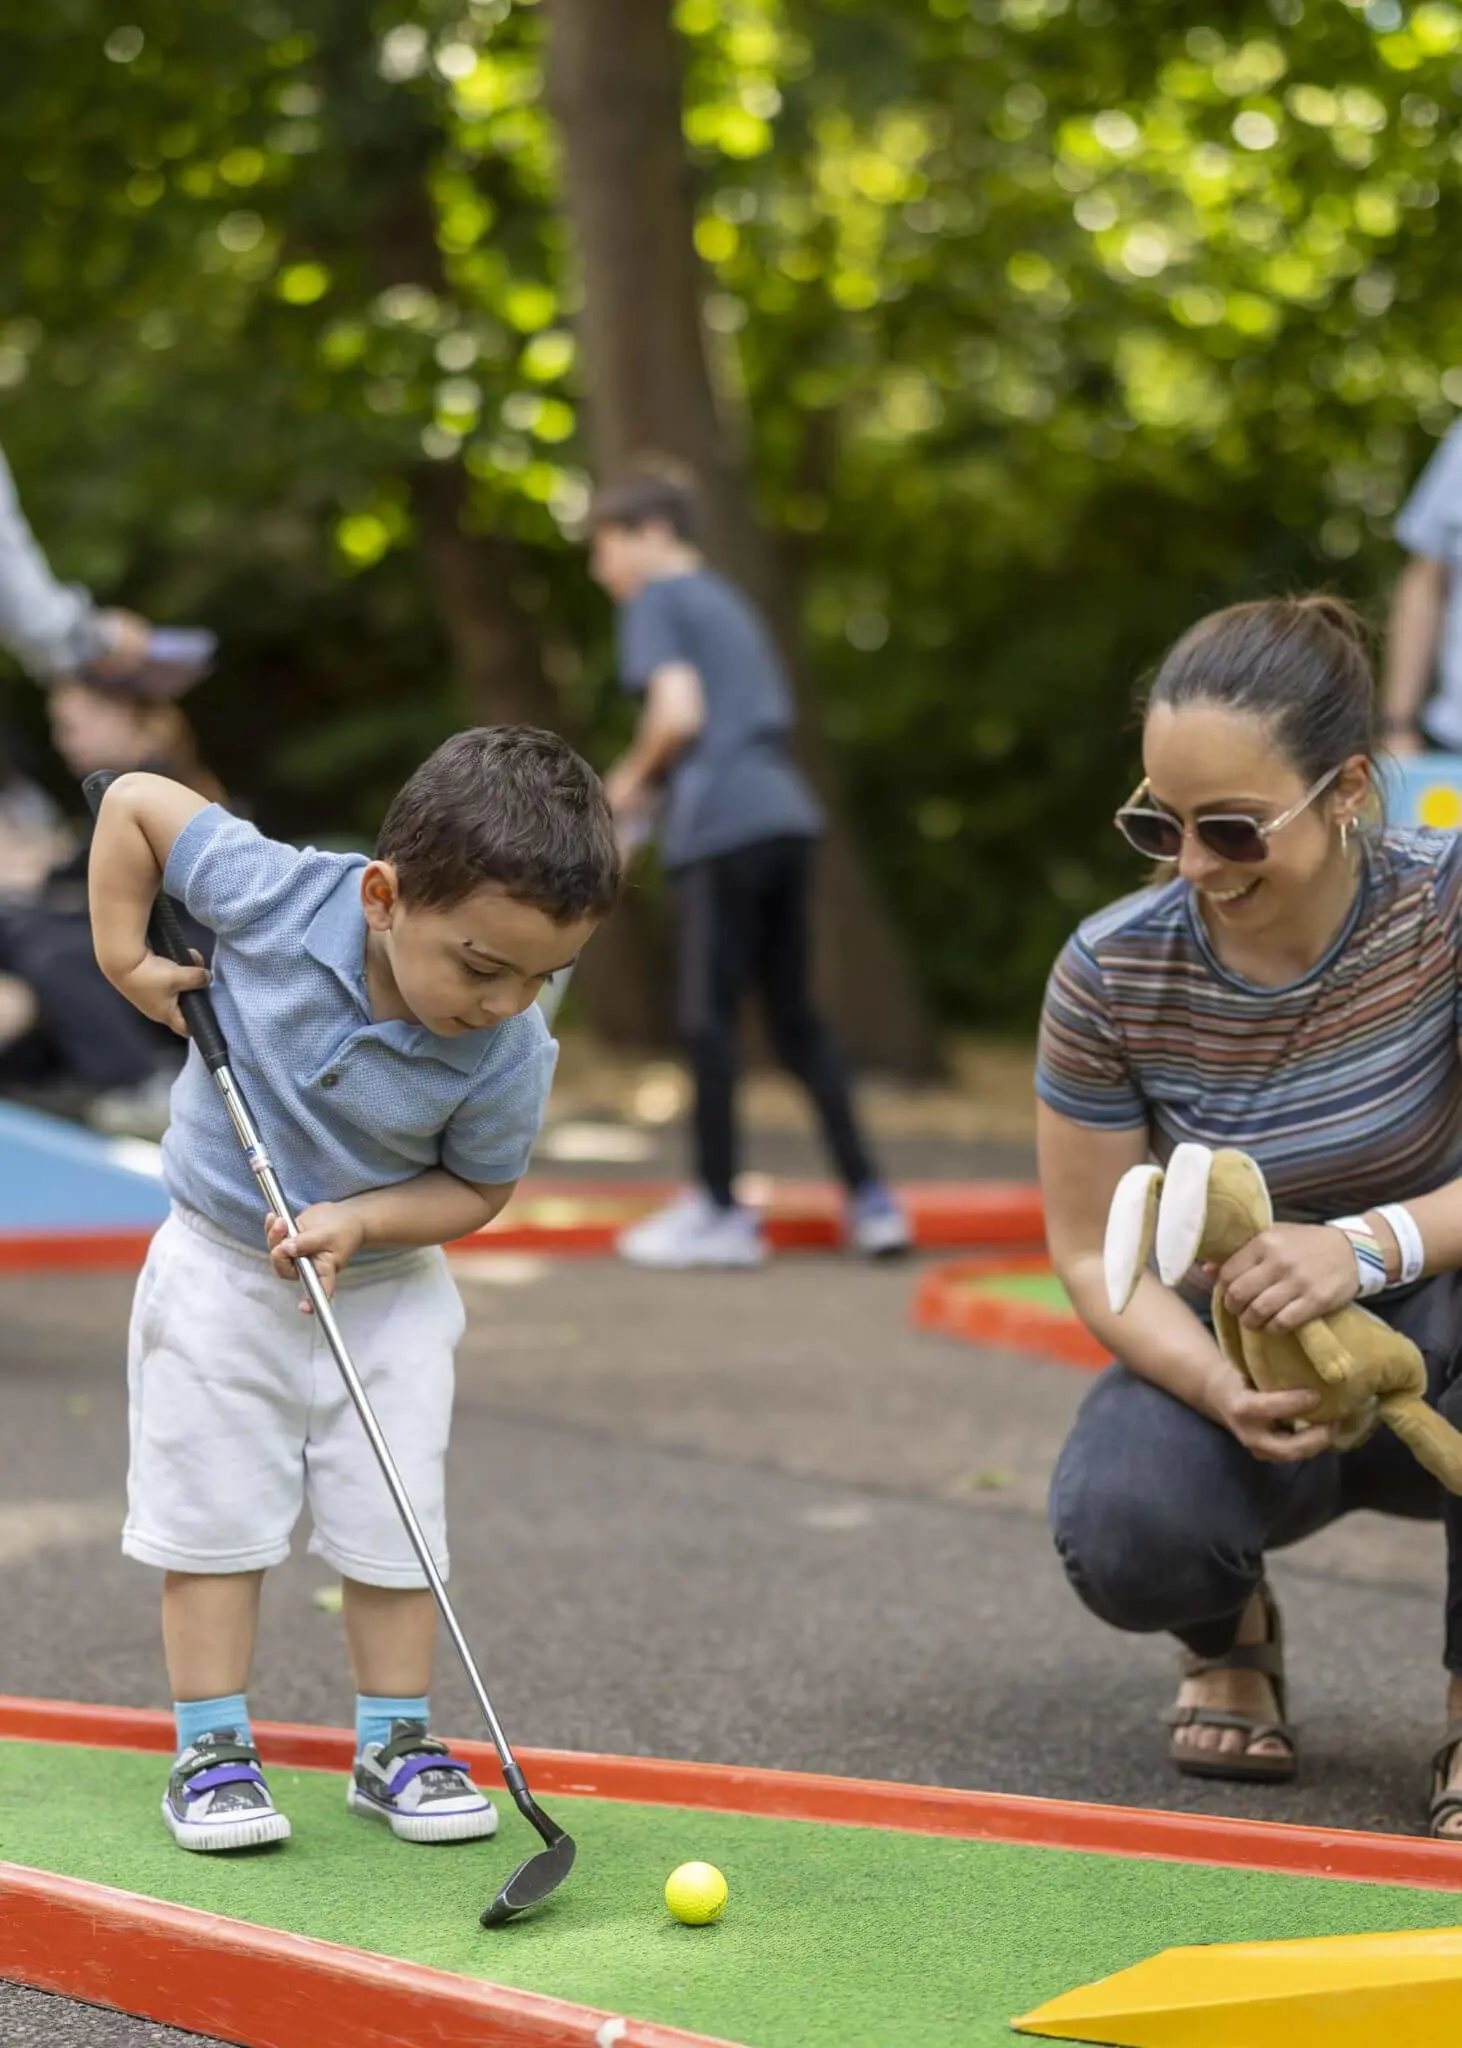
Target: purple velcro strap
x=413 y=1766
x=222 y=1774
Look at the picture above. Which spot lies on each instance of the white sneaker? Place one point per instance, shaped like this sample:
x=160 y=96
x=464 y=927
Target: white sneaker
x=140 y=1112
x=694 y=1231
x=217 y=1797
x=421 y=1791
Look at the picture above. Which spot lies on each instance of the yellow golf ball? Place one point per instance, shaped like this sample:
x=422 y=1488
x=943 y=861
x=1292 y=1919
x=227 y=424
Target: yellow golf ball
x=696 y=1893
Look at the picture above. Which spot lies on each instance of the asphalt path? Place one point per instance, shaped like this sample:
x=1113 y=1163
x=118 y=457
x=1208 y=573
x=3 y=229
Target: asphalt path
x=747 y=1518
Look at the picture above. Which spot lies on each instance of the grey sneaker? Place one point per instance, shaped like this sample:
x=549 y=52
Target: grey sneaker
x=877 y=1226
x=217 y=1797
x=140 y=1112
x=421 y=1791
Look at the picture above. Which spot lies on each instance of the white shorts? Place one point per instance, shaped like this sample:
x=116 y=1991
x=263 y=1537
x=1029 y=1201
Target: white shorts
x=239 y=1416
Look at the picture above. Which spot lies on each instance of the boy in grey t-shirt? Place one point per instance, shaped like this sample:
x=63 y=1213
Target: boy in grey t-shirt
x=709 y=770
x=1423 y=681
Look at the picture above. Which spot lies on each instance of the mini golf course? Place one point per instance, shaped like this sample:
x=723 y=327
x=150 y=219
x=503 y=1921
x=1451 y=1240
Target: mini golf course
x=860 y=1916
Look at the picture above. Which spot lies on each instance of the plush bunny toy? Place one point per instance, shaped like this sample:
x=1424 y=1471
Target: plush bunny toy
x=1205 y=1207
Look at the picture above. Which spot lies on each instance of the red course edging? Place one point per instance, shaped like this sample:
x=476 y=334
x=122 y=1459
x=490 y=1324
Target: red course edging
x=582 y=1218
x=271 y=1990
x=946 y=1301
x=255 y=1986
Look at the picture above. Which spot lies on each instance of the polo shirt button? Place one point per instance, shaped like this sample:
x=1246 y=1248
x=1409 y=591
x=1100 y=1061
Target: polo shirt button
x=329 y=1080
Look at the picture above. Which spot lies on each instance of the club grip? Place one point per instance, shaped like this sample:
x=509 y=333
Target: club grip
x=165 y=936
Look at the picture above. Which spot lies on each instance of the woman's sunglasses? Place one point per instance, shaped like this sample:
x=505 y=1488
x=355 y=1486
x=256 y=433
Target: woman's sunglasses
x=1231 y=835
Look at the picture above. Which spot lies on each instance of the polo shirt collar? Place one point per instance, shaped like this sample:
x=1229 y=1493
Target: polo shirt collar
x=336 y=937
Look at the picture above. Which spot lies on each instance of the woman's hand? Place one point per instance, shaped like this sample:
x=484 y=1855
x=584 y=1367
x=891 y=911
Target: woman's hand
x=329 y=1233
x=1270 y=1426
x=1290 y=1274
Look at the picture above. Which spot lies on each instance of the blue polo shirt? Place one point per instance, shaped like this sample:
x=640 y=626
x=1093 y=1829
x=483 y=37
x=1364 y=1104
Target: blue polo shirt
x=344 y=1103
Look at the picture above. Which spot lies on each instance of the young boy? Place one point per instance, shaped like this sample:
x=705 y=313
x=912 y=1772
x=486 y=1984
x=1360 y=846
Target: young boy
x=380 y=1015
x=738 y=833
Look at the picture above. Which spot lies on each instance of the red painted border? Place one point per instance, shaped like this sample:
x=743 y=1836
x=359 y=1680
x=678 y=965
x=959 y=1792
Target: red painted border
x=73 y=1251
x=946 y=1302
x=234 y=1982
x=802 y=1216
x=847 y=1802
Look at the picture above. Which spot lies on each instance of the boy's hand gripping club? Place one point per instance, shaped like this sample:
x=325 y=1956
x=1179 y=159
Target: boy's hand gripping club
x=546 y=1871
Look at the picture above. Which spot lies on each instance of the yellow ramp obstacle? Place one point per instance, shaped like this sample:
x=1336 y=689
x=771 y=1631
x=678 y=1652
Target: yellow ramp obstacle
x=1344 y=1991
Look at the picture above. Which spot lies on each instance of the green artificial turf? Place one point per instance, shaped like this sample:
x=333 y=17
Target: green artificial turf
x=833 y=1937
x=1041 y=1290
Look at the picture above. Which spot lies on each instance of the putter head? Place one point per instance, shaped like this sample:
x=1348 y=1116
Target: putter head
x=534 y=1880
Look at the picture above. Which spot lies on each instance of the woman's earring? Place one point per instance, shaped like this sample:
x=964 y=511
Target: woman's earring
x=1345 y=835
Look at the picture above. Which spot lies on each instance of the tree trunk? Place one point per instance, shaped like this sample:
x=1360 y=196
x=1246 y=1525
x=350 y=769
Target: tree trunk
x=615 y=86
x=623 y=981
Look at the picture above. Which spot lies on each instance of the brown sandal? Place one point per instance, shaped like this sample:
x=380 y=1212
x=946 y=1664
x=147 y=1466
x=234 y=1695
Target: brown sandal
x=1445 y=1804
x=1242 y=1764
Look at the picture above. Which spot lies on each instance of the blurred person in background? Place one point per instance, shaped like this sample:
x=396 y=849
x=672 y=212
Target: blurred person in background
x=1423 y=678
x=710 y=773
x=33 y=838
x=54 y=628
x=68 y=1040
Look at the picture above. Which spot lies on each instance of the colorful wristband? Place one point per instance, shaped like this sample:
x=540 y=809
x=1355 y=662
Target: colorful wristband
x=1408 y=1242
x=1370 y=1261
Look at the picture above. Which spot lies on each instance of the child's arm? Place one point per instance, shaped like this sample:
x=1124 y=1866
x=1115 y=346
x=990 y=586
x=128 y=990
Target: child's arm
x=434 y=1208
x=140 y=817
x=674 y=712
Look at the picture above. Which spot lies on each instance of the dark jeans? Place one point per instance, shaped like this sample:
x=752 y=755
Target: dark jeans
x=1162 y=1519
x=744 y=925
x=91 y=1035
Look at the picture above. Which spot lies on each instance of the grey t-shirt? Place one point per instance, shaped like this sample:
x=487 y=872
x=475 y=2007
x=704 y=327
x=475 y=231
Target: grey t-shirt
x=734 y=784
x=1430 y=524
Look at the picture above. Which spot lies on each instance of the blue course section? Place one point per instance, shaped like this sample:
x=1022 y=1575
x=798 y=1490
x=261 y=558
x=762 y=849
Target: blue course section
x=56 y=1176
x=1426 y=790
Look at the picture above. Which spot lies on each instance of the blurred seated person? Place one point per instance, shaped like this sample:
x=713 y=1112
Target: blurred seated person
x=71 y=1042
x=33 y=838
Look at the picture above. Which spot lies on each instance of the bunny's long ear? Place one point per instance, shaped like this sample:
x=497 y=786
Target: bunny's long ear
x=1131 y=1229
x=1184 y=1211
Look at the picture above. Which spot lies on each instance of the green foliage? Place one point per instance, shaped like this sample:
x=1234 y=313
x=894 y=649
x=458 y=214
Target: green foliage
x=1053 y=323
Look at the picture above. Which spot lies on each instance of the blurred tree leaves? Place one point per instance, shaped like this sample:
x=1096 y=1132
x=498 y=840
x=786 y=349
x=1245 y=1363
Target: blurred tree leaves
x=1053 y=323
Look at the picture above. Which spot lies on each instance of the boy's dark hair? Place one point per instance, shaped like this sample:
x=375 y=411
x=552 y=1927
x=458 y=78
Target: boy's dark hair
x=505 y=805
x=653 y=491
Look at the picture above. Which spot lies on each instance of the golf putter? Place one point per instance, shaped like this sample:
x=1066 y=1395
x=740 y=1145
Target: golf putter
x=544 y=1872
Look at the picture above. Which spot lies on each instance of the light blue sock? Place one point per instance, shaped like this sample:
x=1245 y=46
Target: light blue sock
x=373 y=1717
x=207 y=1717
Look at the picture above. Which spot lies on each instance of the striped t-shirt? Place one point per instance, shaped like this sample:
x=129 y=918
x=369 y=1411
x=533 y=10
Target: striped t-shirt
x=1343 y=1084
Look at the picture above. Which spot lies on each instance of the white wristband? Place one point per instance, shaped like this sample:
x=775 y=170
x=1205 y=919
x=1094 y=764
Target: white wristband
x=1408 y=1241
x=1370 y=1265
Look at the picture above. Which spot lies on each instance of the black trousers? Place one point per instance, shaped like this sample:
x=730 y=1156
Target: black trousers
x=86 y=1032
x=744 y=926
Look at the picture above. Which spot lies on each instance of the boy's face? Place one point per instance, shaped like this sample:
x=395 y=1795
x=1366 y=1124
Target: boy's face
x=472 y=965
x=623 y=558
